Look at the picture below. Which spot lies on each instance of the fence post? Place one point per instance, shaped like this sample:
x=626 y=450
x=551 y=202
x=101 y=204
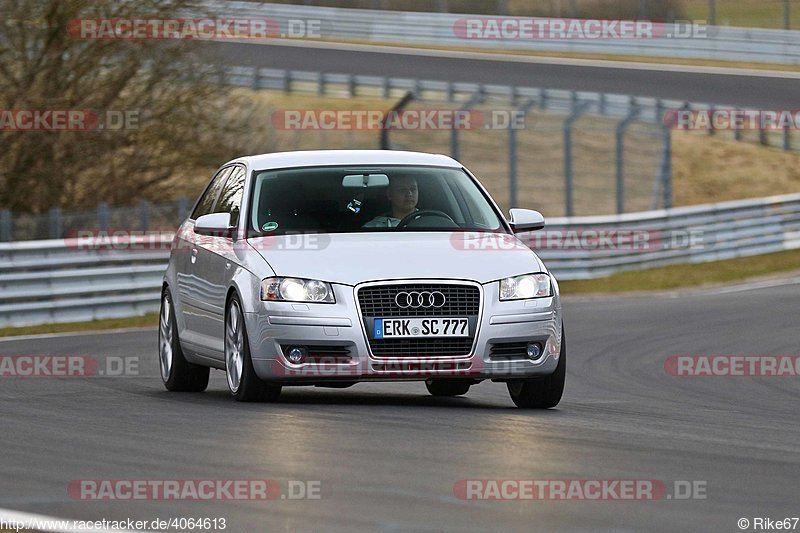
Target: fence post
x=183 y=208
x=762 y=134
x=737 y=132
x=256 y=78
x=573 y=9
x=502 y=7
x=286 y=81
x=144 y=215
x=665 y=179
x=5 y=225
x=712 y=12
x=476 y=98
x=711 y=130
x=384 y=140
x=387 y=87
x=351 y=85
x=321 y=84
x=54 y=222
x=577 y=111
x=102 y=216
x=512 y=152
x=622 y=127
x=667 y=169
x=787 y=15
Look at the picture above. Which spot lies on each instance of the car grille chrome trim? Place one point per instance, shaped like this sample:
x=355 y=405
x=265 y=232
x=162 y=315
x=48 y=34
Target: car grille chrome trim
x=462 y=299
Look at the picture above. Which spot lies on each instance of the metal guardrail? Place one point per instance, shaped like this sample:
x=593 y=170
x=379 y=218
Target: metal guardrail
x=354 y=85
x=693 y=234
x=721 y=43
x=61 y=281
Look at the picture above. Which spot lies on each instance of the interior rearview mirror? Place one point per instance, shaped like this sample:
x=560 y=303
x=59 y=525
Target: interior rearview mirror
x=365 y=180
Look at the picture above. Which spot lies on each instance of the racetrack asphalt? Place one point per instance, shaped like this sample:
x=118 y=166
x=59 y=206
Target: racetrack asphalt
x=388 y=456
x=695 y=84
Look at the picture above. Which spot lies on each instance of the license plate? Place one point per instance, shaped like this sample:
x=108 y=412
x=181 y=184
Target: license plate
x=397 y=328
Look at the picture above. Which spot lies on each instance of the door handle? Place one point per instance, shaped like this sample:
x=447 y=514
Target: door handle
x=194 y=255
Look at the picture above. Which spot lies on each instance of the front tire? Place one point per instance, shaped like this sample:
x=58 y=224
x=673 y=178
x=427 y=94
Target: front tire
x=542 y=393
x=177 y=373
x=443 y=387
x=243 y=383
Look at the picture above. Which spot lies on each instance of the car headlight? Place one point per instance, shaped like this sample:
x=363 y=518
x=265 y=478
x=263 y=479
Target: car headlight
x=525 y=287
x=297 y=290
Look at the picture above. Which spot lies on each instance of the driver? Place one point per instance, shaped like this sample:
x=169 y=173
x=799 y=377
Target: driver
x=403 y=195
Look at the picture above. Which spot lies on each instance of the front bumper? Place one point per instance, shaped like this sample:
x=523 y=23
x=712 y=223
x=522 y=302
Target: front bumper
x=275 y=325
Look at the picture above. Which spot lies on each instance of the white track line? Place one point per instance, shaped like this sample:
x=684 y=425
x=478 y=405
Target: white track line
x=684 y=292
x=48 y=523
x=541 y=60
x=76 y=334
x=766 y=284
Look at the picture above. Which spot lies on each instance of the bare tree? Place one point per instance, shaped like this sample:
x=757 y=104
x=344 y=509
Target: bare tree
x=186 y=123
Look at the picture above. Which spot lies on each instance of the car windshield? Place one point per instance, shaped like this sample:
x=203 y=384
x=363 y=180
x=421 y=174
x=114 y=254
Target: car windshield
x=369 y=199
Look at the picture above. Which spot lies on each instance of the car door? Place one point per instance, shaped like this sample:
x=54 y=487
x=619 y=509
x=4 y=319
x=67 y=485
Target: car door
x=192 y=286
x=216 y=262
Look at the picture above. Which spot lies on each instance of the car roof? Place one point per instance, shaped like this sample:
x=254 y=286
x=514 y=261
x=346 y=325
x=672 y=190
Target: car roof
x=345 y=157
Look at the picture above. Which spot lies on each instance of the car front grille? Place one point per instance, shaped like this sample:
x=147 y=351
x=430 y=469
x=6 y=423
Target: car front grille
x=420 y=347
x=379 y=300
x=461 y=300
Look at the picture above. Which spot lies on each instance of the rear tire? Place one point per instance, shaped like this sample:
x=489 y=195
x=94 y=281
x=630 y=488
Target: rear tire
x=445 y=387
x=177 y=373
x=542 y=393
x=243 y=383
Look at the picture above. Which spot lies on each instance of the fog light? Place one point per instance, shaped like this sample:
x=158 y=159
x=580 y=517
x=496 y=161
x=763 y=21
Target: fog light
x=296 y=354
x=534 y=350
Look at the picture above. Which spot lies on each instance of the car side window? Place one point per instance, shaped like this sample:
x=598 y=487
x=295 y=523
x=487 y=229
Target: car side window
x=230 y=199
x=206 y=203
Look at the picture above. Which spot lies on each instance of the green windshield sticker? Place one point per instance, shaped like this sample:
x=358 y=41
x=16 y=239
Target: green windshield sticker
x=270 y=226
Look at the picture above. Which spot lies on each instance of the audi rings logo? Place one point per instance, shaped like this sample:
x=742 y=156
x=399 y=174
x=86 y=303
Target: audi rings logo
x=419 y=300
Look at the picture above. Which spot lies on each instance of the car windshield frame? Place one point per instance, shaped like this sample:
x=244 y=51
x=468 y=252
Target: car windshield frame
x=252 y=232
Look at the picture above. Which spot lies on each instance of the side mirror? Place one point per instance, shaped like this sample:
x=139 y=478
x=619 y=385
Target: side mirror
x=215 y=224
x=526 y=220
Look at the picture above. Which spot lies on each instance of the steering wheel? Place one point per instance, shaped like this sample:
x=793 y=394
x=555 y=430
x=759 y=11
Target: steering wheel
x=416 y=215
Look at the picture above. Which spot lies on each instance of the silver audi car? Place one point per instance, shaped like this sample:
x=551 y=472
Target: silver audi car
x=329 y=268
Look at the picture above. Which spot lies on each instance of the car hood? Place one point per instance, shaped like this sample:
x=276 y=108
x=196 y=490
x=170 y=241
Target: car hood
x=358 y=257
